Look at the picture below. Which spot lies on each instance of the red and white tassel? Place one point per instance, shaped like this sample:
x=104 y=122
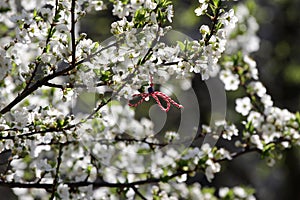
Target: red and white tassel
x=155 y=95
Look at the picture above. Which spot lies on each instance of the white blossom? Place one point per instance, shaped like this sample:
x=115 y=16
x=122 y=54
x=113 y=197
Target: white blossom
x=170 y=13
x=258 y=88
x=150 y=4
x=211 y=169
x=246 y=39
x=223 y=192
x=256 y=119
x=239 y=192
x=266 y=100
x=257 y=141
x=230 y=80
x=202 y=8
x=120 y=10
x=63 y=191
x=243 y=105
x=99 y=5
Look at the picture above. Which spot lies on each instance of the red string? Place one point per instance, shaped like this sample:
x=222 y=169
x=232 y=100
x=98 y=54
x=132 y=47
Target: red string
x=155 y=95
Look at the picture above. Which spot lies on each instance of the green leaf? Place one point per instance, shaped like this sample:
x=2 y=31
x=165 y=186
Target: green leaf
x=96 y=46
x=267 y=148
x=216 y=3
x=298 y=119
x=143 y=151
x=249 y=127
x=60 y=122
x=181 y=45
x=35 y=13
x=213 y=9
x=251 y=4
x=209 y=190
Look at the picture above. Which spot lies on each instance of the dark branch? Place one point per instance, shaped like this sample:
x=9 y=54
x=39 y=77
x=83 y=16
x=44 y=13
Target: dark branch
x=215 y=20
x=240 y=153
x=94 y=184
x=54 y=85
x=138 y=193
x=132 y=185
x=56 y=178
x=50 y=32
x=73 y=39
x=46 y=80
x=28 y=134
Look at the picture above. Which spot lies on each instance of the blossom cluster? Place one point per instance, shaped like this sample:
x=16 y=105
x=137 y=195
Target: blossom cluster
x=265 y=125
x=66 y=130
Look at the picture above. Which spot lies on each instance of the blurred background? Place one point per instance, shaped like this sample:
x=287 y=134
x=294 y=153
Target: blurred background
x=278 y=61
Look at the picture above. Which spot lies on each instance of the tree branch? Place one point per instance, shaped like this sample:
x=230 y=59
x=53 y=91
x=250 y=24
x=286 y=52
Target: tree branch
x=240 y=153
x=94 y=184
x=50 y=31
x=214 y=24
x=54 y=85
x=56 y=178
x=45 y=80
x=120 y=185
x=73 y=39
x=28 y=134
x=138 y=193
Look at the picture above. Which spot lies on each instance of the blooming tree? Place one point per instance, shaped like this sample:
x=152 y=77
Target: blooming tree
x=67 y=130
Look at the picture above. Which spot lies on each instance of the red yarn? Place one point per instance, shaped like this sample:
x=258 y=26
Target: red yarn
x=155 y=95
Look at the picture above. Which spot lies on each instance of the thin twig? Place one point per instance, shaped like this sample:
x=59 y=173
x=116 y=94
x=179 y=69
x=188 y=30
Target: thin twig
x=138 y=193
x=73 y=39
x=95 y=183
x=214 y=23
x=240 y=153
x=56 y=178
x=28 y=134
x=52 y=25
x=53 y=85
